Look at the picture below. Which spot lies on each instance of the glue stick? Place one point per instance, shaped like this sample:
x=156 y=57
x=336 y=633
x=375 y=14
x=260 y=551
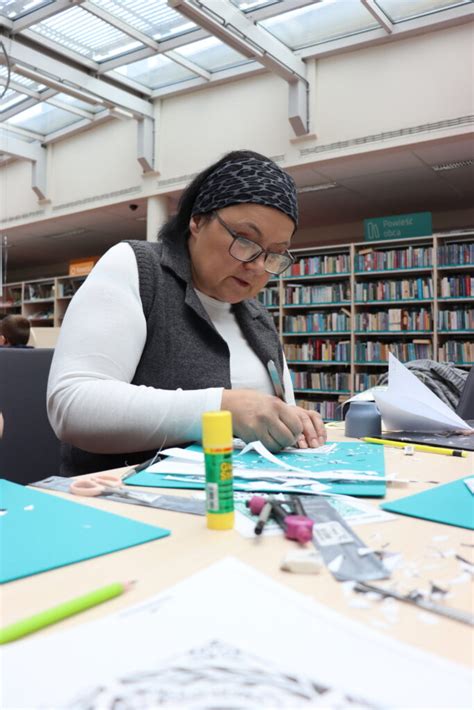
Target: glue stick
x=217 y=445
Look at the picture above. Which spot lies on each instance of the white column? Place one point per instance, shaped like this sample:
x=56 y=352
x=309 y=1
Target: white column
x=156 y=216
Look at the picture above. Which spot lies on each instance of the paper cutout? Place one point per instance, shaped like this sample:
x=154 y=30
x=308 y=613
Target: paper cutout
x=363 y=463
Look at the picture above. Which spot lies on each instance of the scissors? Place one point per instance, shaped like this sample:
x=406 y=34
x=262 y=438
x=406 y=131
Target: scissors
x=102 y=483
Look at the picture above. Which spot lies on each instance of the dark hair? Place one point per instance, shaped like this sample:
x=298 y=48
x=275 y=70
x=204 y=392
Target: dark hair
x=178 y=224
x=15 y=329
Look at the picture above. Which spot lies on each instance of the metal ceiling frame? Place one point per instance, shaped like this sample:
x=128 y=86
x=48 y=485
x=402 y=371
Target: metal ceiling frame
x=96 y=83
x=230 y=25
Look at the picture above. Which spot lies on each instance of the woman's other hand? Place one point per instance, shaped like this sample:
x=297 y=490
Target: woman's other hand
x=314 y=432
x=258 y=416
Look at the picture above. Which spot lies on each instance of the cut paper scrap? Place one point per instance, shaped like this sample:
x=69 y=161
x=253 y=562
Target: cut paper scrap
x=409 y=405
x=45 y=531
x=451 y=503
x=362 y=463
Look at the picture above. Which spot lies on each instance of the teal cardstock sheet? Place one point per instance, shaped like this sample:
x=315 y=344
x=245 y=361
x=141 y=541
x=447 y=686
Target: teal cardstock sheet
x=449 y=503
x=40 y=532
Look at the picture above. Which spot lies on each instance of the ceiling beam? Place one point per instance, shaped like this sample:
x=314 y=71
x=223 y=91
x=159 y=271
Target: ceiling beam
x=38 y=175
x=26 y=104
x=19 y=88
x=223 y=77
x=140 y=37
x=198 y=33
x=233 y=28
x=146 y=144
x=9 y=128
x=73 y=81
x=42 y=13
x=120 y=25
x=451 y=17
x=41 y=43
x=19 y=149
x=383 y=20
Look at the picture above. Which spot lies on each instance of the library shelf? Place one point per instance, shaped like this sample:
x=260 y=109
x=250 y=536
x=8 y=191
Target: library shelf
x=429 y=281
x=42 y=301
x=325 y=333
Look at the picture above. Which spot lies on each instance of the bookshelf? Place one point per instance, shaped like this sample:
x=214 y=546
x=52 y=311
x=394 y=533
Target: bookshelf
x=43 y=301
x=341 y=309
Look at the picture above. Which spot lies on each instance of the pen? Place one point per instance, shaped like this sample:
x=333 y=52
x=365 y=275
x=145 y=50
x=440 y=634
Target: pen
x=276 y=380
x=417 y=447
x=263 y=517
x=62 y=611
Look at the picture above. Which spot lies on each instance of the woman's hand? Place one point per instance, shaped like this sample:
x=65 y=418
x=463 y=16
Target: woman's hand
x=258 y=416
x=314 y=432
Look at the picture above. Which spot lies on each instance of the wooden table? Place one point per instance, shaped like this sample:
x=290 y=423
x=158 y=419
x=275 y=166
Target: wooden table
x=191 y=547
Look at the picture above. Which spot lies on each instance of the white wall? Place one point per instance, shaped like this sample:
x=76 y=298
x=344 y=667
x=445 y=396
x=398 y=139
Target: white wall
x=410 y=82
x=195 y=129
x=94 y=163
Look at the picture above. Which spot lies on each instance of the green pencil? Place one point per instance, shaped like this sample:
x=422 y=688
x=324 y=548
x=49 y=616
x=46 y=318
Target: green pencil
x=62 y=611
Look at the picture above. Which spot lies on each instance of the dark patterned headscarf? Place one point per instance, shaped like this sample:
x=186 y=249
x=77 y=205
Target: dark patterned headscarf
x=248 y=180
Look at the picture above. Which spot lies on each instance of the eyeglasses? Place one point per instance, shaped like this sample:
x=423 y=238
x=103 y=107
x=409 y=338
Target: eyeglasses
x=246 y=250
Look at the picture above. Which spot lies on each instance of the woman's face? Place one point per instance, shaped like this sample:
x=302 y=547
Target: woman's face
x=217 y=273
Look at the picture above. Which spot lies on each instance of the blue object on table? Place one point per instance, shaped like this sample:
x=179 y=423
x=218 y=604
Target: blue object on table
x=449 y=503
x=347 y=456
x=40 y=532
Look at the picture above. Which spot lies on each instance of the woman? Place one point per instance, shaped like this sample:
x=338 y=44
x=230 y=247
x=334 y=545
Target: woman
x=161 y=332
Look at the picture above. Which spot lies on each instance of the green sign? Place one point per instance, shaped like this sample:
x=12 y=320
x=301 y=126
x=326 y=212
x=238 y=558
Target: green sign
x=398 y=226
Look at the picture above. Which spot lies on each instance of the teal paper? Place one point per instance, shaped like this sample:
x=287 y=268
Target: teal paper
x=355 y=456
x=451 y=504
x=39 y=532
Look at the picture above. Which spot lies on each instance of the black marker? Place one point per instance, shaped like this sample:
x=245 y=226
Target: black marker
x=263 y=517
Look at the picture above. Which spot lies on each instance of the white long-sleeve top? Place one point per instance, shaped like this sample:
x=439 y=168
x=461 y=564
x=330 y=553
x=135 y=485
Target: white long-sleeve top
x=91 y=402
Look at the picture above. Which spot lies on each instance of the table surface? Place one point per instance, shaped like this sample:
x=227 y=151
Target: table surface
x=428 y=556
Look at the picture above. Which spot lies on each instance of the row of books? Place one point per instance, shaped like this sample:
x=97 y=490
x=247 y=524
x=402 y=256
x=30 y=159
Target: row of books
x=463 y=319
x=324 y=264
x=68 y=288
x=372 y=351
x=395 y=319
x=318 y=349
x=38 y=291
x=364 y=380
x=44 y=314
x=457 y=286
x=394 y=290
x=327 y=409
x=409 y=258
x=314 y=322
x=270 y=296
x=457 y=351
x=305 y=295
x=456 y=254
x=334 y=381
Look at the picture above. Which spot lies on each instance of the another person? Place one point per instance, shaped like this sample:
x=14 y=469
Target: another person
x=14 y=331
x=161 y=332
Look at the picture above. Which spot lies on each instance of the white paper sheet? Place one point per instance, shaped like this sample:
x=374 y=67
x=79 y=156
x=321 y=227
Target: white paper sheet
x=227 y=637
x=409 y=405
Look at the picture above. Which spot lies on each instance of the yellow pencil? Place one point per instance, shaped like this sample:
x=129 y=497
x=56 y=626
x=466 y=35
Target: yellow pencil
x=417 y=447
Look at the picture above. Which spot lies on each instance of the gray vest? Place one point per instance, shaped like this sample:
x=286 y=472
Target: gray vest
x=183 y=349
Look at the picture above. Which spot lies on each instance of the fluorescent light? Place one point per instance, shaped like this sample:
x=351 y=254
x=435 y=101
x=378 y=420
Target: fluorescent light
x=316 y=188
x=452 y=166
